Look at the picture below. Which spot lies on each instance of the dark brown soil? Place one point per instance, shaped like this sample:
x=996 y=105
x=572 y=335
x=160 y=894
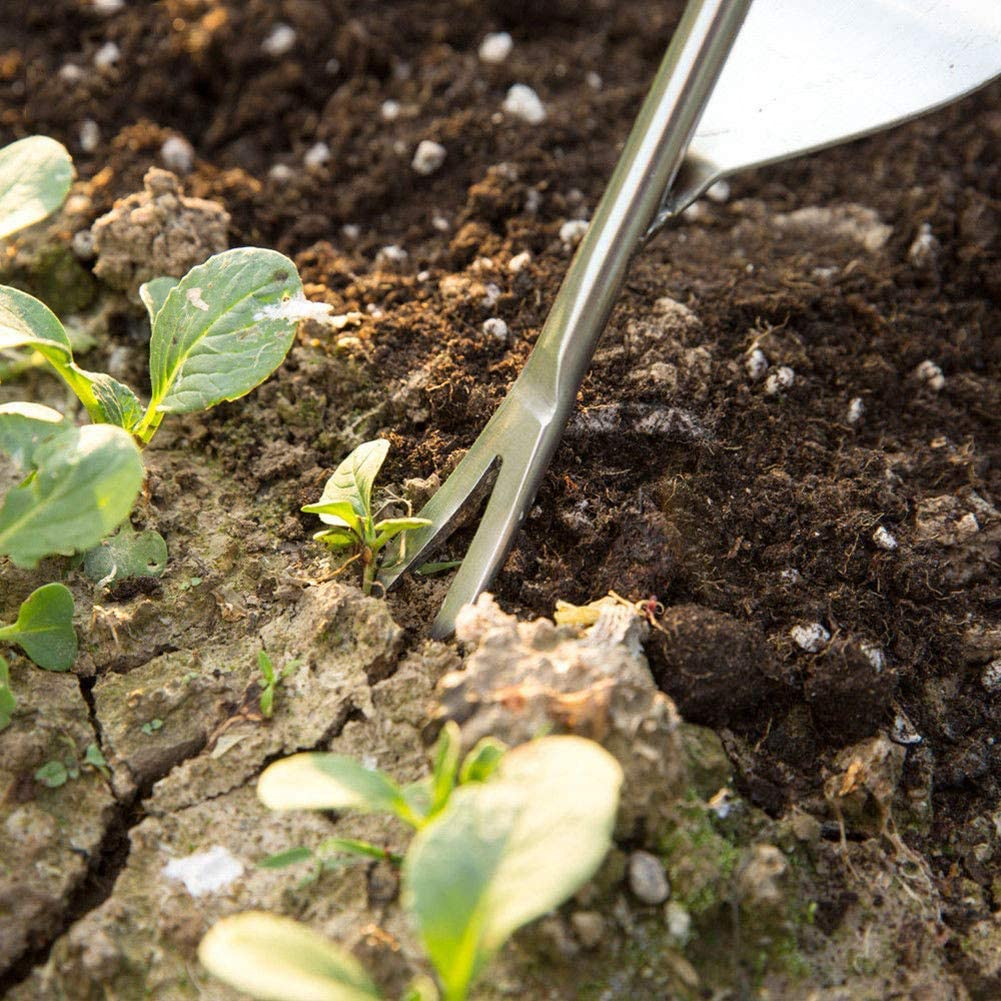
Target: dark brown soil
x=745 y=514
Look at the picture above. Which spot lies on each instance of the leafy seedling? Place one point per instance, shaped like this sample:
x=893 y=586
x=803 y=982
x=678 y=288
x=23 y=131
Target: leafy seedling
x=216 y=334
x=502 y=838
x=44 y=631
x=354 y=532
x=125 y=554
x=35 y=177
x=271 y=680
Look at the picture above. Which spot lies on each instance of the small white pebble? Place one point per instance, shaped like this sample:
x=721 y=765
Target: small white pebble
x=884 y=539
x=280 y=41
x=391 y=254
x=373 y=310
x=533 y=201
x=522 y=102
x=492 y=294
x=205 y=872
x=874 y=655
x=695 y=213
x=572 y=232
x=82 y=244
x=389 y=110
x=756 y=364
x=990 y=677
x=440 y=223
x=496 y=328
x=678 y=922
x=902 y=731
x=718 y=192
x=178 y=155
x=350 y=231
x=790 y=575
x=781 y=379
x=931 y=375
x=647 y=878
x=856 y=408
x=824 y=274
x=281 y=173
x=924 y=251
x=107 y=7
x=332 y=67
x=593 y=80
x=519 y=262
x=90 y=135
x=107 y=55
x=812 y=638
x=496 y=47
x=967 y=526
x=423 y=276
x=317 y=155
x=71 y=73
x=428 y=157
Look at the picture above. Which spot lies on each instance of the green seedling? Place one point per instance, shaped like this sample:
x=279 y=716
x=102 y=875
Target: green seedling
x=58 y=771
x=355 y=532
x=44 y=631
x=501 y=839
x=271 y=680
x=35 y=177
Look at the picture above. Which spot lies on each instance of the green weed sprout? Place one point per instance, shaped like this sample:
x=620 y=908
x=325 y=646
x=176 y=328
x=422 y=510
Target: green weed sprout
x=346 y=507
x=44 y=631
x=501 y=839
x=271 y=679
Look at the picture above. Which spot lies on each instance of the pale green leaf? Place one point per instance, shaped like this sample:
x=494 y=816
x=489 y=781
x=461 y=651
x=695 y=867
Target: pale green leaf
x=113 y=401
x=389 y=528
x=337 y=538
x=86 y=481
x=44 y=628
x=339 y=513
x=317 y=781
x=7 y=701
x=446 y=765
x=278 y=959
x=24 y=426
x=154 y=294
x=506 y=851
x=352 y=480
x=482 y=760
x=35 y=177
x=127 y=553
x=223 y=329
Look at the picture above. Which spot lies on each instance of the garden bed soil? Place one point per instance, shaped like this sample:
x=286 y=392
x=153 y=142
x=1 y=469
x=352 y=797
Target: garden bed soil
x=850 y=485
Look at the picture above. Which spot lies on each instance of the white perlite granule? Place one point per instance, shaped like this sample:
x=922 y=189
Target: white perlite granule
x=812 y=637
x=178 y=155
x=428 y=157
x=205 y=872
x=496 y=47
x=280 y=41
x=522 y=102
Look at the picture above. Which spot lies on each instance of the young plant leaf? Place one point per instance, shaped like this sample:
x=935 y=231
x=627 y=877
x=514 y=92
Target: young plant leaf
x=35 y=177
x=53 y=774
x=352 y=480
x=339 y=513
x=86 y=481
x=506 y=851
x=154 y=294
x=7 y=701
x=113 y=401
x=317 y=781
x=44 y=628
x=222 y=330
x=389 y=528
x=337 y=538
x=278 y=959
x=24 y=426
x=482 y=760
x=127 y=553
x=291 y=856
x=446 y=766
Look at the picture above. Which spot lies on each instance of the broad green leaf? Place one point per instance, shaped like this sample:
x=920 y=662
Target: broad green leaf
x=482 y=760
x=7 y=701
x=317 y=781
x=339 y=513
x=35 y=177
x=52 y=774
x=278 y=959
x=25 y=322
x=24 y=426
x=223 y=329
x=352 y=480
x=389 y=528
x=86 y=481
x=127 y=553
x=113 y=401
x=506 y=851
x=337 y=538
x=446 y=766
x=44 y=628
x=154 y=294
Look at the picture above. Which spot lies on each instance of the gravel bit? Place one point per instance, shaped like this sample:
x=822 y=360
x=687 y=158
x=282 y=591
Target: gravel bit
x=781 y=379
x=885 y=539
x=178 y=155
x=428 y=157
x=497 y=329
x=496 y=47
x=280 y=41
x=647 y=878
x=522 y=102
x=812 y=637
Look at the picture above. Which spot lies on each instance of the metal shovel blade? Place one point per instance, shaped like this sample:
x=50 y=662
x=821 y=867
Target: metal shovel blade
x=806 y=74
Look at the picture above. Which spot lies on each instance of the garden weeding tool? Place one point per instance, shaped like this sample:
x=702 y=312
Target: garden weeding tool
x=742 y=84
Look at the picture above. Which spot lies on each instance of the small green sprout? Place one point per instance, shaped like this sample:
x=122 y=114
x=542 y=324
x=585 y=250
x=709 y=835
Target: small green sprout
x=44 y=631
x=151 y=727
x=346 y=507
x=58 y=771
x=272 y=679
x=501 y=839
